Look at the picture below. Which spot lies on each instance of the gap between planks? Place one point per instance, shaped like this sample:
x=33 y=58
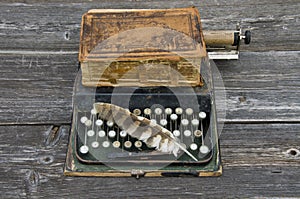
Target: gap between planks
x=29 y=52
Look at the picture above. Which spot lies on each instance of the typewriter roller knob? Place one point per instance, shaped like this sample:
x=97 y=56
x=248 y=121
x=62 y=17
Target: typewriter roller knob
x=116 y=144
x=91 y=133
x=174 y=117
x=84 y=149
x=112 y=133
x=247 y=37
x=95 y=144
x=105 y=144
x=147 y=111
x=193 y=146
x=83 y=119
x=189 y=111
x=127 y=144
x=176 y=133
x=101 y=133
x=99 y=122
x=184 y=122
x=168 y=111
x=123 y=134
x=187 y=133
x=202 y=115
x=178 y=111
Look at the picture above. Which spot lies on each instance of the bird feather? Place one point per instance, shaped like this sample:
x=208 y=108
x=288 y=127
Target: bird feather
x=152 y=134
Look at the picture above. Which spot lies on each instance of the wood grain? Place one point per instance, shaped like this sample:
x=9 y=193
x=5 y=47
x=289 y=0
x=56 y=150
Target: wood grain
x=259 y=144
x=55 y=26
x=261 y=86
x=31 y=166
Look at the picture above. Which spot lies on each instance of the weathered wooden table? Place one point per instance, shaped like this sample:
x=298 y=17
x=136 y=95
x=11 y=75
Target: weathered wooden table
x=260 y=142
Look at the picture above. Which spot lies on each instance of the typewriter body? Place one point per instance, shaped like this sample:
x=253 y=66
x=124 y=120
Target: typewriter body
x=151 y=66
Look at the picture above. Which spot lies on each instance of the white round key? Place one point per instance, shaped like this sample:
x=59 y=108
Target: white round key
x=147 y=111
x=197 y=133
x=168 y=111
x=90 y=133
x=189 y=111
x=105 y=144
x=116 y=144
x=184 y=122
x=99 y=122
x=101 y=133
x=137 y=111
x=195 y=122
x=109 y=123
x=88 y=123
x=153 y=122
x=83 y=119
x=127 y=144
x=163 y=122
x=112 y=133
x=123 y=134
x=202 y=115
x=174 y=117
x=84 y=149
x=138 y=144
x=93 y=112
x=158 y=111
x=193 y=146
x=176 y=133
x=204 y=149
x=95 y=144
x=187 y=133
x=178 y=111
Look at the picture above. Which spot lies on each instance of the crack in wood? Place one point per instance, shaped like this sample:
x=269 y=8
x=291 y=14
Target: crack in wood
x=31 y=181
x=54 y=134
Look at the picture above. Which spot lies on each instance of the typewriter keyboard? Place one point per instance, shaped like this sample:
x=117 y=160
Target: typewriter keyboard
x=101 y=140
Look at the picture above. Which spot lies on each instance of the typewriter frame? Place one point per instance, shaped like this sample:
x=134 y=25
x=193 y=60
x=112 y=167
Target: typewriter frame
x=75 y=166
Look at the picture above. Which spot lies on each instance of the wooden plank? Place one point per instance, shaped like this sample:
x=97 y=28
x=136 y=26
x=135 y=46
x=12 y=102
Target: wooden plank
x=38 y=64
x=38 y=27
x=261 y=86
x=37 y=88
x=150 y=2
x=257 y=162
x=260 y=144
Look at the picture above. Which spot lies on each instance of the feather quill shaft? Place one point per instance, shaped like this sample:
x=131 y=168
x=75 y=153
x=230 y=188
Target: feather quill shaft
x=141 y=128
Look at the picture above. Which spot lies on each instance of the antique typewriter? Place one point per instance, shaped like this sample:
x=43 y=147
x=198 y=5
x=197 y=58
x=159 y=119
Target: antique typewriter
x=144 y=97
